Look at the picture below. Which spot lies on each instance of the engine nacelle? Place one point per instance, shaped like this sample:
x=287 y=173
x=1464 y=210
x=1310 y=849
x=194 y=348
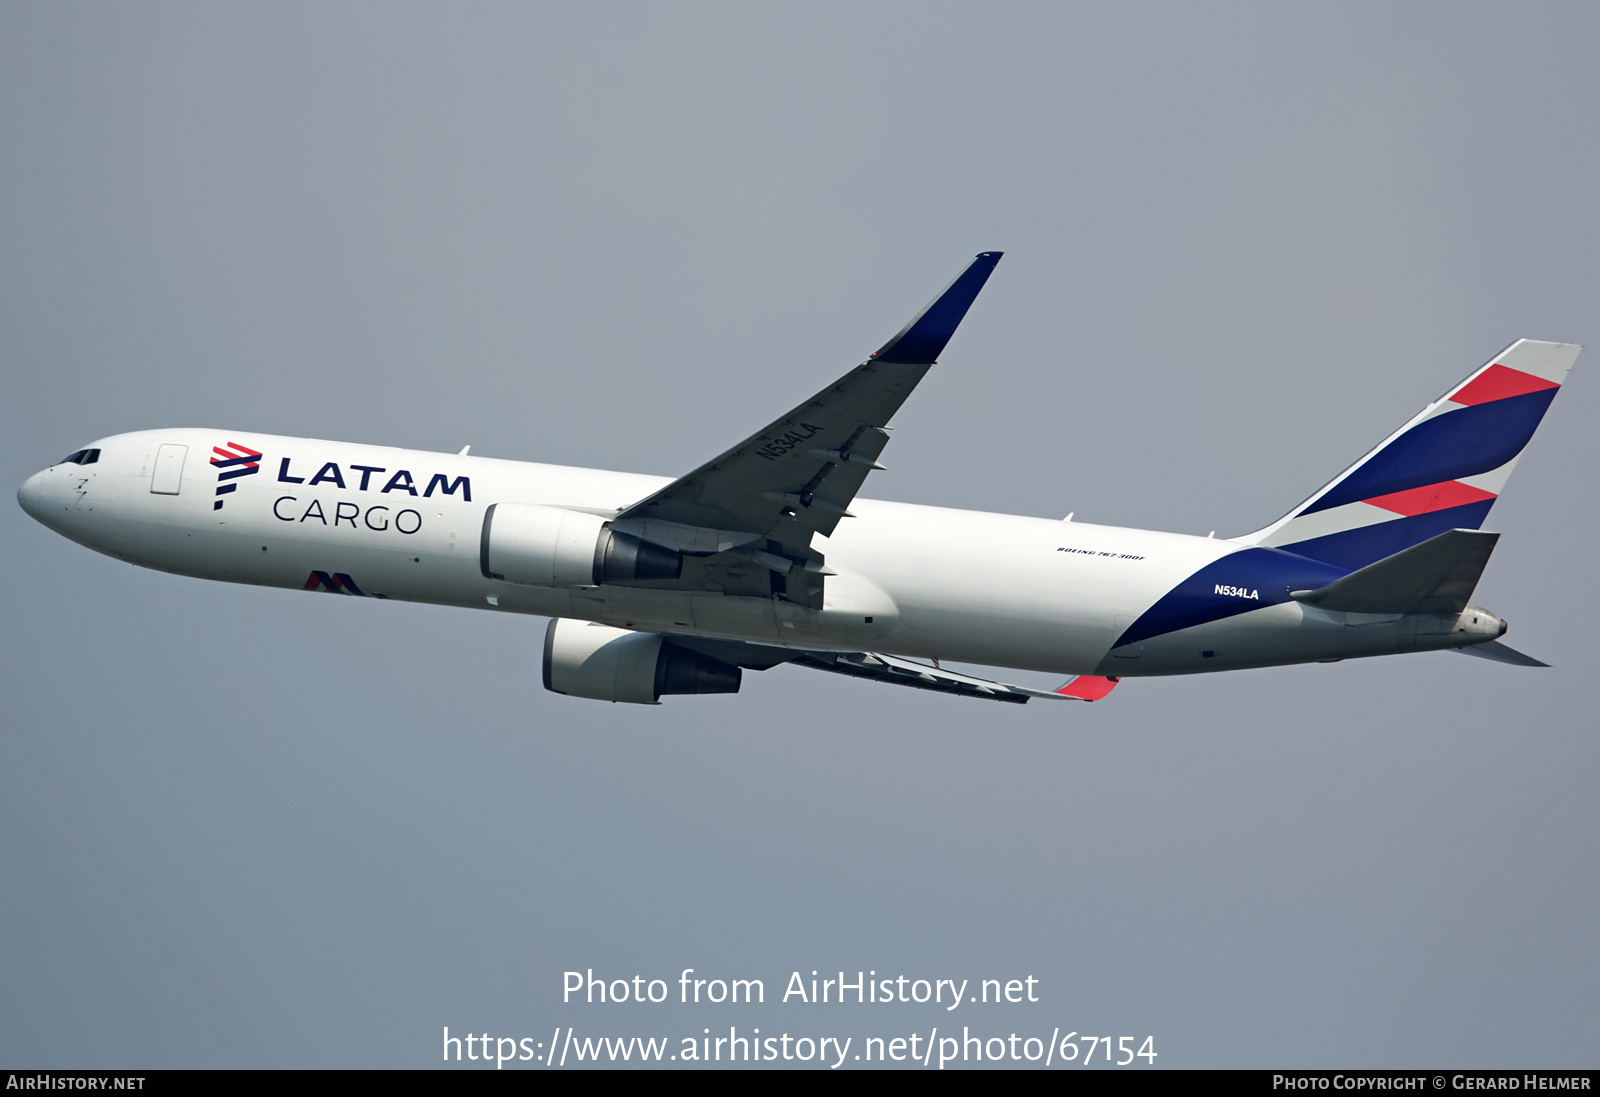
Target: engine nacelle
x=613 y=664
x=555 y=547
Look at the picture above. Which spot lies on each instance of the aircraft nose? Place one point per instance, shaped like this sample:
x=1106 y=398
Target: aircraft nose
x=31 y=494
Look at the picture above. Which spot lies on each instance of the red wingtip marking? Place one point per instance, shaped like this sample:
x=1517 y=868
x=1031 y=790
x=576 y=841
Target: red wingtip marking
x=1451 y=493
x=1087 y=687
x=1498 y=382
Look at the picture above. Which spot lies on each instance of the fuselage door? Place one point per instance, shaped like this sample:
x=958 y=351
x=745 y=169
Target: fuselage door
x=168 y=476
x=1119 y=626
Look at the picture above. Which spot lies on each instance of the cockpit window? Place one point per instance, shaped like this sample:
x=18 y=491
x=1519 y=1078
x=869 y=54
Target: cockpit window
x=81 y=457
x=90 y=457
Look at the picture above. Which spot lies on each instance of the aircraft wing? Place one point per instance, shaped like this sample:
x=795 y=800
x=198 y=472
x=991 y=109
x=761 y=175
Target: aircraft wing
x=797 y=476
x=878 y=667
x=906 y=672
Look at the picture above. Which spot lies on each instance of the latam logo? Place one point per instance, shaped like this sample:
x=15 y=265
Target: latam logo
x=335 y=583
x=233 y=462
x=402 y=480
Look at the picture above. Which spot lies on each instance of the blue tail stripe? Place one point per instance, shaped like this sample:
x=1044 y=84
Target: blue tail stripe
x=1267 y=573
x=1447 y=447
x=1356 y=548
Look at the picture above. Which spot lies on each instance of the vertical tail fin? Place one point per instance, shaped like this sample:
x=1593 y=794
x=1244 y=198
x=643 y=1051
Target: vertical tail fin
x=1443 y=470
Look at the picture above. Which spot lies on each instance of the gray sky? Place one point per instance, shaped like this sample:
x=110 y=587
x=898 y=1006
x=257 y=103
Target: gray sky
x=1244 y=242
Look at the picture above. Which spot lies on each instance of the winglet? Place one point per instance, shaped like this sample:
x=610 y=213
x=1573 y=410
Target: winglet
x=1087 y=687
x=921 y=341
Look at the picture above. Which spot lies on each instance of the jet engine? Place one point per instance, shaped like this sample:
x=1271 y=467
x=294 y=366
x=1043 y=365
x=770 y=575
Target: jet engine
x=612 y=664
x=555 y=547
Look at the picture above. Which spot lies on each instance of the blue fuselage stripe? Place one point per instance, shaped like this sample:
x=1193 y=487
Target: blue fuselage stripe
x=1238 y=583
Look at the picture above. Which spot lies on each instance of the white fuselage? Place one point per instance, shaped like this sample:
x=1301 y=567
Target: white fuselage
x=919 y=581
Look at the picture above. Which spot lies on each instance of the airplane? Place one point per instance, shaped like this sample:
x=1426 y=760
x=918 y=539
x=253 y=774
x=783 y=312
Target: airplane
x=765 y=555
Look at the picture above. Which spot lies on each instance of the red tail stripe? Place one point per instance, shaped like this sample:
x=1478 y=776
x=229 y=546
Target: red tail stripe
x=1451 y=493
x=1498 y=382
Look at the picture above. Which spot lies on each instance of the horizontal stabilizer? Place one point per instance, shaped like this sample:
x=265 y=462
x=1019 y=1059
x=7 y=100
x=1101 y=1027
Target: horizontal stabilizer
x=1499 y=653
x=1437 y=576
